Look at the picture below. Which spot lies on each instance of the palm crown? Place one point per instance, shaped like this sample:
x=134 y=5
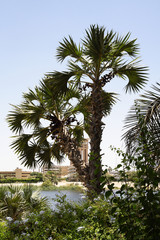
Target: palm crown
x=39 y=123
x=100 y=57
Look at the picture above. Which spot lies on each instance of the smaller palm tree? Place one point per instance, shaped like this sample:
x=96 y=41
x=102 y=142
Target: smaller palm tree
x=17 y=202
x=34 y=202
x=46 y=128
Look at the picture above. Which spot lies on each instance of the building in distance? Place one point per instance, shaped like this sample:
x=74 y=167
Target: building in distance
x=18 y=173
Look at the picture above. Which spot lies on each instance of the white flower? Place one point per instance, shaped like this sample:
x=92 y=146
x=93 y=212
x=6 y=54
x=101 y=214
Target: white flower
x=36 y=222
x=41 y=212
x=83 y=197
x=75 y=221
x=50 y=238
x=80 y=228
x=112 y=220
x=25 y=220
x=9 y=219
x=89 y=208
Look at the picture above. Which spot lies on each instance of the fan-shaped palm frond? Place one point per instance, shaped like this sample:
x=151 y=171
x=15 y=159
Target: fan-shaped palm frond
x=136 y=75
x=68 y=48
x=148 y=109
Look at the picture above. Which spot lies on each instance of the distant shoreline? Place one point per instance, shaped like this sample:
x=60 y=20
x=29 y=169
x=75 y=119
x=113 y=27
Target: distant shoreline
x=60 y=184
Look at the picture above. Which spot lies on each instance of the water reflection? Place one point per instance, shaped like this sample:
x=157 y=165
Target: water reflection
x=70 y=196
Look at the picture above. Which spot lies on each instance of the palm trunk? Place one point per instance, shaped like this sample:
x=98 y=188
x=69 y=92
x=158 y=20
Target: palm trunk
x=71 y=149
x=95 y=167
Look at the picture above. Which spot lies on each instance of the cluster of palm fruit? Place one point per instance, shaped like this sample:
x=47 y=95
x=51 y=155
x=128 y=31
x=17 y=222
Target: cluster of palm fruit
x=70 y=120
x=106 y=78
x=56 y=126
x=84 y=87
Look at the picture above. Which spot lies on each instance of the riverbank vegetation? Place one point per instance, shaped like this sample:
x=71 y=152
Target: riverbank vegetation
x=49 y=187
x=16 y=180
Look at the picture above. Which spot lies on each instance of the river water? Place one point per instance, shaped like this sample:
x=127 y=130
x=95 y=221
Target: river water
x=70 y=196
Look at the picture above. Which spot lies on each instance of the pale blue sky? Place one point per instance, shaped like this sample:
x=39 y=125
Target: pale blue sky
x=29 y=34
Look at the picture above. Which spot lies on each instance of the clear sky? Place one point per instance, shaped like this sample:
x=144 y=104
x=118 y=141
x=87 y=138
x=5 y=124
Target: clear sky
x=29 y=35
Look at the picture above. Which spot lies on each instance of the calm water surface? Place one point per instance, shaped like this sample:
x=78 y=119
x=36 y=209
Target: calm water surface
x=70 y=196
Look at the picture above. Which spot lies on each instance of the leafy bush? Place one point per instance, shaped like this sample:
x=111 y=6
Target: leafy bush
x=86 y=220
x=136 y=207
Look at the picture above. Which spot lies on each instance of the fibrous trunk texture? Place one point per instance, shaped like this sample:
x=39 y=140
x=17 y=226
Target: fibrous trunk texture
x=95 y=167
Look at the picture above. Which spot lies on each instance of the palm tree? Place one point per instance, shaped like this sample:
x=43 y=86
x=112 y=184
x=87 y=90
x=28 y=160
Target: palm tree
x=93 y=63
x=16 y=202
x=143 y=123
x=45 y=128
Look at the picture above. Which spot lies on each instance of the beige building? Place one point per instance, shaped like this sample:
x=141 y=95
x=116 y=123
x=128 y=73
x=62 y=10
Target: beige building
x=18 y=173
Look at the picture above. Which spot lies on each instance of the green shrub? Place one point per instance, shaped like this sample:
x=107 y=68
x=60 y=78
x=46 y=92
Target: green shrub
x=136 y=207
x=85 y=220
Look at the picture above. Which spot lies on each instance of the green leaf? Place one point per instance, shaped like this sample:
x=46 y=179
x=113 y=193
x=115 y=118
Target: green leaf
x=111 y=186
x=119 y=166
x=108 y=194
x=113 y=210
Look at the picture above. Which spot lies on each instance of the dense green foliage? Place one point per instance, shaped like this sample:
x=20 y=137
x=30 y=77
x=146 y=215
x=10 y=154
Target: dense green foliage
x=37 y=175
x=88 y=220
